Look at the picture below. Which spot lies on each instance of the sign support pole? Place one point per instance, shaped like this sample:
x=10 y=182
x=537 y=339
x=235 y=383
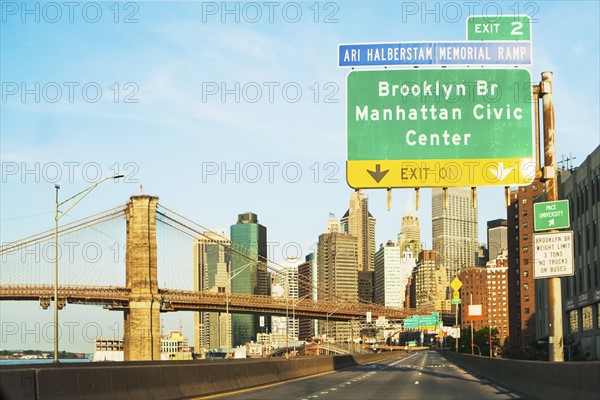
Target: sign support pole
x=472 y=338
x=456 y=325
x=556 y=351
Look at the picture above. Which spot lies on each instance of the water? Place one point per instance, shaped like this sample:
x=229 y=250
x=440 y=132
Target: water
x=41 y=361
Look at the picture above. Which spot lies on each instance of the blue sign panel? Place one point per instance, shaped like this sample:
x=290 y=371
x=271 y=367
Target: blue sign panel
x=435 y=53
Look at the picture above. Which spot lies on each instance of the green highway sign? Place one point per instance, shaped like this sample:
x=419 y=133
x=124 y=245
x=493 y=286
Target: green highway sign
x=455 y=301
x=551 y=215
x=422 y=321
x=489 y=27
x=439 y=128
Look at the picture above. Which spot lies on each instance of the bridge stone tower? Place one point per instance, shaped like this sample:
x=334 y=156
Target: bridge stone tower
x=142 y=319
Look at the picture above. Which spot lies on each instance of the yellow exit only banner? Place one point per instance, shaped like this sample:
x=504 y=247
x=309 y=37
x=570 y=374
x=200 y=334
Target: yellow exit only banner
x=439 y=173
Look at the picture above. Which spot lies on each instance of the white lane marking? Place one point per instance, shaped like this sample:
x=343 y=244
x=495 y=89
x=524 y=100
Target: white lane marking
x=419 y=373
x=333 y=389
x=416 y=382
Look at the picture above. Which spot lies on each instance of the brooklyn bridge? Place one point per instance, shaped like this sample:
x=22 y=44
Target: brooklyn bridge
x=25 y=277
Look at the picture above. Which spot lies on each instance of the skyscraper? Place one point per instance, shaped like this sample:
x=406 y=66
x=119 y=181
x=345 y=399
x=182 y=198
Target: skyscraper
x=410 y=231
x=211 y=274
x=285 y=285
x=392 y=271
x=307 y=288
x=429 y=283
x=581 y=292
x=521 y=285
x=337 y=260
x=248 y=272
x=487 y=286
x=496 y=237
x=359 y=222
x=454 y=229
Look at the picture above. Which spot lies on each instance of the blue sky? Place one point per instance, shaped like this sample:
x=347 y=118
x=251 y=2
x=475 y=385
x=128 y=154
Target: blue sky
x=153 y=74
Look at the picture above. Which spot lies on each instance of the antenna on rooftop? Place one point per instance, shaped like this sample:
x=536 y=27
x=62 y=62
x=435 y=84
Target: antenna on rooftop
x=567 y=163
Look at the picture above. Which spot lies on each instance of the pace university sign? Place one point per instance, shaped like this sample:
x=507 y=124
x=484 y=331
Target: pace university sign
x=439 y=128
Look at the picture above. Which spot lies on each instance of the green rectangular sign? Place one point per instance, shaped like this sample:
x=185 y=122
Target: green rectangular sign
x=489 y=27
x=440 y=128
x=419 y=321
x=455 y=301
x=551 y=215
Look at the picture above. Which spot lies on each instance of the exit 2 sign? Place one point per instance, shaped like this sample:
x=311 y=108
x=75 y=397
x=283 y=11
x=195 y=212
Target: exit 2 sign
x=490 y=27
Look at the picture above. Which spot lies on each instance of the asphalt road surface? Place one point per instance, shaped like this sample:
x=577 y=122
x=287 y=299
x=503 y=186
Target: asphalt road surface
x=420 y=375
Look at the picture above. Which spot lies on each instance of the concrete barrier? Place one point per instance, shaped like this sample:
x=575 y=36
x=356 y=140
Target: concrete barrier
x=536 y=379
x=165 y=380
x=57 y=383
x=124 y=382
x=21 y=382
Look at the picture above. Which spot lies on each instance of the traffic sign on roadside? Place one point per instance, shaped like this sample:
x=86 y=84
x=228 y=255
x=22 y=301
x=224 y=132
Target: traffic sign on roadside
x=490 y=27
x=456 y=284
x=553 y=254
x=551 y=215
x=475 y=312
x=439 y=128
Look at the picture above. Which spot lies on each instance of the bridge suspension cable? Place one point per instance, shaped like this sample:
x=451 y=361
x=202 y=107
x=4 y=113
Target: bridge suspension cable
x=65 y=230
x=243 y=251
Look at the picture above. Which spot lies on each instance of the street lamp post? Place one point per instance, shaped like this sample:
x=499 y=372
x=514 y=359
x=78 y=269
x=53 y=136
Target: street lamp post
x=57 y=217
x=294 y=317
x=243 y=267
x=472 y=339
x=287 y=318
x=327 y=331
x=327 y=326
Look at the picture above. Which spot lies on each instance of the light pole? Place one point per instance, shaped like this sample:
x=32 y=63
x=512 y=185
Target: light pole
x=83 y=193
x=472 y=339
x=287 y=318
x=294 y=317
x=243 y=267
x=327 y=326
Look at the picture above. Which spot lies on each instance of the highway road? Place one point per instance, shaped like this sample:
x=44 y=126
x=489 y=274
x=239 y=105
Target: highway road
x=420 y=375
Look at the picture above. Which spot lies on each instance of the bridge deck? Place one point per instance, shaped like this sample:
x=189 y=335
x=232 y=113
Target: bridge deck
x=117 y=298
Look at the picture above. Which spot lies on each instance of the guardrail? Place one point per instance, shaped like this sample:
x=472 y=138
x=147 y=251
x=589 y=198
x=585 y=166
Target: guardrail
x=536 y=379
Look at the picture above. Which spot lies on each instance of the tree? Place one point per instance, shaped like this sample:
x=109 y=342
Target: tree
x=481 y=341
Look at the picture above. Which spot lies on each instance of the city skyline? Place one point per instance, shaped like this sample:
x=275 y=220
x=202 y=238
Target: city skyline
x=211 y=157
